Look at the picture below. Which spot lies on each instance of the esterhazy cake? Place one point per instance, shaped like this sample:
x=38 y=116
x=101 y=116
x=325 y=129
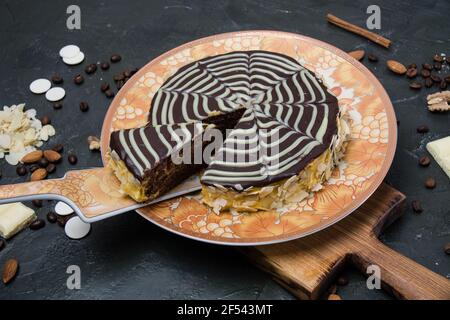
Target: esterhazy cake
x=276 y=109
x=148 y=160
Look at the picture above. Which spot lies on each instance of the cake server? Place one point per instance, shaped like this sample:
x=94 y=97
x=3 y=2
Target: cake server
x=93 y=194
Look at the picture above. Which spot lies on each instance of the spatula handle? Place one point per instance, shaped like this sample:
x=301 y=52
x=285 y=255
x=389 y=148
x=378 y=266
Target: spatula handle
x=93 y=191
x=405 y=278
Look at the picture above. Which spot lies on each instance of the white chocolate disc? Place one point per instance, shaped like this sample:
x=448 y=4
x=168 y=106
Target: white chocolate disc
x=69 y=51
x=74 y=60
x=55 y=94
x=40 y=86
x=63 y=209
x=76 y=228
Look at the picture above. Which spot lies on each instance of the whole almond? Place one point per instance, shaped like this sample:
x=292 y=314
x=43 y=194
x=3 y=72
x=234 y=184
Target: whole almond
x=52 y=156
x=357 y=54
x=396 y=67
x=39 y=174
x=32 y=157
x=10 y=270
x=334 y=297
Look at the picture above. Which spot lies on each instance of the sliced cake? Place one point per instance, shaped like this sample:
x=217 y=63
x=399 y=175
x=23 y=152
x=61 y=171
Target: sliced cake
x=149 y=161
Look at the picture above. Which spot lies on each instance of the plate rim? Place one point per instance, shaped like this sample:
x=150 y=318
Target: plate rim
x=381 y=174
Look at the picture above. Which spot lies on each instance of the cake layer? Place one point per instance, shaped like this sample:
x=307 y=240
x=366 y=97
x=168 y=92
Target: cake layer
x=151 y=160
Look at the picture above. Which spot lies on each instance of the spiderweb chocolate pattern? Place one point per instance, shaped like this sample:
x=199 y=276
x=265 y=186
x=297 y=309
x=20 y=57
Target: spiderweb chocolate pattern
x=286 y=107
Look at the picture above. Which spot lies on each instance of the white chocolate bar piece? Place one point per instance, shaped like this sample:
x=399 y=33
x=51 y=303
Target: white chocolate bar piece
x=440 y=150
x=14 y=217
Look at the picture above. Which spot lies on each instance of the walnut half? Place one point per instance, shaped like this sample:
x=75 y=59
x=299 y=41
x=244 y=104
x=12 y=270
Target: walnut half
x=439 y=101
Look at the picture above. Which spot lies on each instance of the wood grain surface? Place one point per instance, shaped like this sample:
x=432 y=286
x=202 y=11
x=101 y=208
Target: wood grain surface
x=308 y=266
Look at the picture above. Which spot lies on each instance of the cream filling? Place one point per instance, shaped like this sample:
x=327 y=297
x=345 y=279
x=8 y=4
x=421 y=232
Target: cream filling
x=128 y=183
x=285 y=193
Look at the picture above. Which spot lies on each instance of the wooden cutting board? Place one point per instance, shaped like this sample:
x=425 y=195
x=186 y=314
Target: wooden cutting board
x=308 y=266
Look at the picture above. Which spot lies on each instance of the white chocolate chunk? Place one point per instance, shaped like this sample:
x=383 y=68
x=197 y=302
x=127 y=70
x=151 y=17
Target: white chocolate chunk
x=40 y=86
x=14 y=217
x=75 y=228
x=55 y=94
x=74 y=60
x=63 y=209
x=69 y=51
x=440 y=150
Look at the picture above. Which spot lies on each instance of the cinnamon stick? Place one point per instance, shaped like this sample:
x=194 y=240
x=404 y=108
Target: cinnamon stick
x=359 y=31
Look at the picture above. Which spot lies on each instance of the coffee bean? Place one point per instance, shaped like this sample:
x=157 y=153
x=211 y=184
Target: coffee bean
x=342 y=281
x=372 y=58
x=84 y=106
x=415 y=85
x=424 y=161
x=109 y=93
x=61 y=220
x=447 y=79
x=437 y=66
x=428 y=82
x=120 y=84
x=447 y=248
x=2 y=244
x=45 y=120
x=115 y=58
x=57 y=105
x=58 y=147
x=438 y=58
x=416 y=206
x=133 y=71
x=90 y=68
x=21 y=170
x=56 y=79
x=37 y=224
x=411 y=72
x=43 y=162
x=443 y=85
x=422 y=129
x=37 y=203
x=104 y=65
x=435 y=78
x=104 y=86
x=51 y=217
x=430 y=183
x=78 y=79
x=425 y=73
x=50 y=168
x=118 y=77
x=427 y=66
x=412 y=66
x=72 y=159
x=34 y=167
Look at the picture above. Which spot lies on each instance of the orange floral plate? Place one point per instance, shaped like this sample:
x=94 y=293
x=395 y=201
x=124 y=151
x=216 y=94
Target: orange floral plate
x=368 y=158
x=94 y=193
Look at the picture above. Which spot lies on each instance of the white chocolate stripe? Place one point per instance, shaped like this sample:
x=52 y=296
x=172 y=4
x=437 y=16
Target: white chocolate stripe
x=124 y=145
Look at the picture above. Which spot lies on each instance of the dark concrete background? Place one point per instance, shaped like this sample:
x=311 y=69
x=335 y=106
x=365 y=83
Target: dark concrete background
x=127 y=257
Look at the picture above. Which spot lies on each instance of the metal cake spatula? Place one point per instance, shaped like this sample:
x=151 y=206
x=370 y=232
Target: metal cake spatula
x=93 y=194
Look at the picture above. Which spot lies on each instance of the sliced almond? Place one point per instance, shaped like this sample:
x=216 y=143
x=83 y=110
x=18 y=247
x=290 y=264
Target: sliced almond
x=39 y=174
x=10 y=270
x=52 y=156
x=94 y=143
x=32 y=157
x=396 y=67
x=357 y=54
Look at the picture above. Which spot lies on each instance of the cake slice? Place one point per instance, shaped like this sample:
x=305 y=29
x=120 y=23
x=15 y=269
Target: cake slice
x=151 y=160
